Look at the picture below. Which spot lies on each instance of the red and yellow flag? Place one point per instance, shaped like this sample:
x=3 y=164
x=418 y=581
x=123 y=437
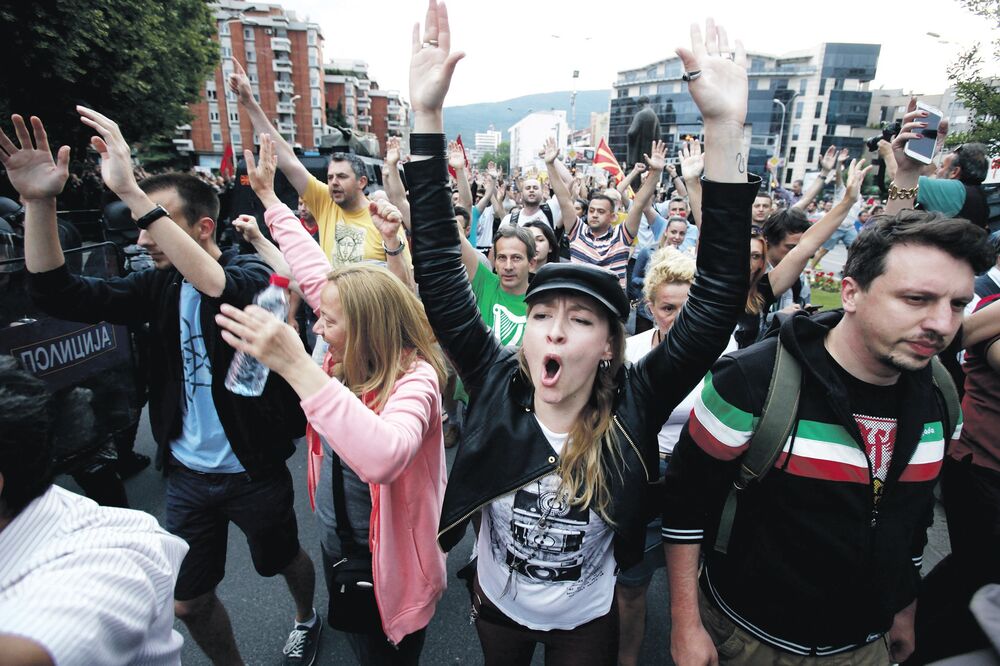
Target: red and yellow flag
x=605 y=159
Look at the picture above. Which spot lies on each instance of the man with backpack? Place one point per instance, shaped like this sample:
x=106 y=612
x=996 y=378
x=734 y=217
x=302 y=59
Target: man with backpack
x=808 y=465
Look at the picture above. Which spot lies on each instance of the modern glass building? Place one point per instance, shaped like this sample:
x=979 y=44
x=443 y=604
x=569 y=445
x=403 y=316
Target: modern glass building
x=824 y=90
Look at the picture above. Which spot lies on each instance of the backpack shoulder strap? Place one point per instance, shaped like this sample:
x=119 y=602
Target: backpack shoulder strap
x=547 y=209
x=773 y=428
x=946 y=389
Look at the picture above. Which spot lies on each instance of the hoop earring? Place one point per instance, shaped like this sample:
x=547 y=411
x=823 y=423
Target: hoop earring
x=605 y=364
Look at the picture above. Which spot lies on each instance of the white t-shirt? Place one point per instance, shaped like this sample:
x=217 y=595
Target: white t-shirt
x=91 y=584
x=638 y=346
x=484 y=230
x=545 y=564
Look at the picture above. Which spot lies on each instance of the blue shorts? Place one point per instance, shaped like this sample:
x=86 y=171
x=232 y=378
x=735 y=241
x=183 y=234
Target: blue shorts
x=845 y=236
x=199 y=508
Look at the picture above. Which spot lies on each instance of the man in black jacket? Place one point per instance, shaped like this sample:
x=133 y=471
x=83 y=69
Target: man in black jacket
x=225 y=454
x=825 y=551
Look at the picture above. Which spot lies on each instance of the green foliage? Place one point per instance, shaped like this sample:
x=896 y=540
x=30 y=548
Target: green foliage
x=140 y=62
x=501 y=157
x=979 y=93
x=336 y=117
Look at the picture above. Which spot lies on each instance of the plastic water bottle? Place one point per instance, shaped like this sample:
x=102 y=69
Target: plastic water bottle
x=247 y=375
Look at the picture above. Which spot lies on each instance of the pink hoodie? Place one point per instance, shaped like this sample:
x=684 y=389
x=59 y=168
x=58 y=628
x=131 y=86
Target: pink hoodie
x=400 y=453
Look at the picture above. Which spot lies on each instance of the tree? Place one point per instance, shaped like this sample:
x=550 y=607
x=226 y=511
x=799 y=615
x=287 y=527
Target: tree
x=979 y=93
x=140 y=62
x=336 y=117
x=501 y=157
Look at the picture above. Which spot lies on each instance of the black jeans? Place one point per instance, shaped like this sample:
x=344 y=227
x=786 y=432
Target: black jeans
x=507 y=643
x=944 y=624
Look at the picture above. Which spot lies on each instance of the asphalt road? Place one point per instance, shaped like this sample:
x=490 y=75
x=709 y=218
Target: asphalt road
x=262 y=612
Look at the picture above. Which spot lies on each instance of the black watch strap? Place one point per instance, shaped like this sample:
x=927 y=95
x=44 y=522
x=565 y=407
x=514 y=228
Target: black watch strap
x=152 y=216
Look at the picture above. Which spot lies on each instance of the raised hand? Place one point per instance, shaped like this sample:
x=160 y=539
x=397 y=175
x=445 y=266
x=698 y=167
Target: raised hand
x=116 y=157
x=432 y=63
x=392 y=152
x=912 y=128
x=721 y=91
x=239 y=83
x=385 y=216
x=829 y=160
x=456 y=158
x=692 y=159
x=658 y=157
x=491 y=169
x=549 y=151
x=842 y=157
x=261 y=174
x=31 y=169
x=855 y=178
x=247 y=226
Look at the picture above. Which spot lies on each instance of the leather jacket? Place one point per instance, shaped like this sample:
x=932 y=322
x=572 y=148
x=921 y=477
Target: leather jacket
x=502 y=447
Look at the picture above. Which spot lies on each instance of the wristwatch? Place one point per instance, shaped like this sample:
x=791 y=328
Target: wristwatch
x=152 y=216
x=397 y=251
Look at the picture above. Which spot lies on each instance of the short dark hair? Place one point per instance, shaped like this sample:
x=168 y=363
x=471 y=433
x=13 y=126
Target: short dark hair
x=357 y=166
x=198 y=199
x=972 y=160
x=462 y=212
x=959 y=238
x=611 y=202
x=784 y=222
x=25 y=437
x=521 y=234
x=550 y=236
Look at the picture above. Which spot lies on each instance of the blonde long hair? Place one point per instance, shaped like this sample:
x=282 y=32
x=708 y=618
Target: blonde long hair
x=583 y=478
x=387 y=332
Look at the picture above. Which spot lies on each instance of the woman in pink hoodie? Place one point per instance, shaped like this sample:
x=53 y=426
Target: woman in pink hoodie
x=375 y=406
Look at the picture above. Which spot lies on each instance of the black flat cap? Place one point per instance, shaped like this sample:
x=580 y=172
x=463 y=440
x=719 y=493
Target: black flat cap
x=598 y=283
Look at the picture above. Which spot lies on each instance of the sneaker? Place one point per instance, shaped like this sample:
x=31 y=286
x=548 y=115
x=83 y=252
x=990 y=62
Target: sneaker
x=303 y=644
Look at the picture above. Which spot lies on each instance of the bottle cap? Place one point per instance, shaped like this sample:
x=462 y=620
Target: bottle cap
x=279 y=281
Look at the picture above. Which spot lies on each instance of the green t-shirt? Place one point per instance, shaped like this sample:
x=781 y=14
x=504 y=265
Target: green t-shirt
x=504 y=313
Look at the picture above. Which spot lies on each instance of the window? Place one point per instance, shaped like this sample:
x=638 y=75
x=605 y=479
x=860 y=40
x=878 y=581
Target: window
x=802 y=86
x=311 y=38
x=216 y=136
x=317 y=115
x=838 y=84
x=799 y=108
x=646 y=90
x=313 y=56
x=314 y=77
x=791 y=154
x=226 y=51
x=811 y=157
x=822 y=86
x=213 y=116
x=252 y=72
x=795 y=131
x=819 y=110
x=235 y=138
x=317 y=140
x=234 y=117
x=317 y=99
x=814 y=133
x=251 y=55
x=248 y=34
x=224 y=28
x=211 y=93
x=788 y=176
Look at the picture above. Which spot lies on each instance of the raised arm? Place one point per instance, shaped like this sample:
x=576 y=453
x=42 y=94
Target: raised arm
x=456 y=160
x=437 y=256
x=784 y=275
x=692 y=166
x=907 y=175
x=289 y=164
x=393 y=181
x=491 y=187
x=826 y=164
x=550 y=153
x=644 y=197
x=637 y=170
x=198 y=267
x=677 y=180
x=247 y=227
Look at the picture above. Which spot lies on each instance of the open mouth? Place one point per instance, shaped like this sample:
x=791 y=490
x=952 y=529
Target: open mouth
x=551 y=369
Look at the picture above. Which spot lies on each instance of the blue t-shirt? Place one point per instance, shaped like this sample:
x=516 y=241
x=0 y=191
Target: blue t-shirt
x=202 y=445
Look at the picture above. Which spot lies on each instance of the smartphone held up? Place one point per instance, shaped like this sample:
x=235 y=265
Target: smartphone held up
x=922 y=149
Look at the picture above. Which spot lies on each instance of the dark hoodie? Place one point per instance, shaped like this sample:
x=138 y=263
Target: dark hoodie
x=813 y=562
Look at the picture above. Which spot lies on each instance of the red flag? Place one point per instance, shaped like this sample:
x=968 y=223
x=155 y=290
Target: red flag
x=228 y=166
x=605 y=159
x=462 y=146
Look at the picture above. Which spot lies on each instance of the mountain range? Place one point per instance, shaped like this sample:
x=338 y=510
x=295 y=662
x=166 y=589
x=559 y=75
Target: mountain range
x=471 y=118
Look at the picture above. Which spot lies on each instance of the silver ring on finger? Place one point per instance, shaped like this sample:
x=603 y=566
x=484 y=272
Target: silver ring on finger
x=691 y=76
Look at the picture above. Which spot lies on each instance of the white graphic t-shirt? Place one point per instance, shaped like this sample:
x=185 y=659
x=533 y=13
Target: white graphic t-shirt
x=545 y=564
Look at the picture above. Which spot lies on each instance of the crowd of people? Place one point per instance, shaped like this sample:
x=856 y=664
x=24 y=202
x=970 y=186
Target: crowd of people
x=634 y=378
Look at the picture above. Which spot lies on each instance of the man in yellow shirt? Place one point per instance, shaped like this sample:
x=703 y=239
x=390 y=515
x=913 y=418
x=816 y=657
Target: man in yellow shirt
x=341 y=208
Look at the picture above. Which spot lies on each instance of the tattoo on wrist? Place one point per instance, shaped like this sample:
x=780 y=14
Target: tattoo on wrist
x=741 y=164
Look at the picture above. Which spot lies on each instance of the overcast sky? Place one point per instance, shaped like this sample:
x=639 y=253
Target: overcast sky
x=511 y=49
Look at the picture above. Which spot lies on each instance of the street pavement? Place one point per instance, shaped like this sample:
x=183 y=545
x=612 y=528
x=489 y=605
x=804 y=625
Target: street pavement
x=262 y=612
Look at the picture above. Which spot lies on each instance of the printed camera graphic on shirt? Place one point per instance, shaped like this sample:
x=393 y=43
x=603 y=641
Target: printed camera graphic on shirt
x=547 y=524
x=541 y=570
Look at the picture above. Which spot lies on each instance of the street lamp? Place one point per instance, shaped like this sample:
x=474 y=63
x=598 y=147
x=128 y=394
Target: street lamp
x=778 y=150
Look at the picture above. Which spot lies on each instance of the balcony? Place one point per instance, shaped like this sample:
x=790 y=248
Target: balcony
x=364 y=121
x=184 y=145
x=286 y=107
x=281 y=44
x=393 y=109
x=282 y=66
x=286 y=127
x=184 y=128
x=364 y=103
x=394 y=125
x=284 y=87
